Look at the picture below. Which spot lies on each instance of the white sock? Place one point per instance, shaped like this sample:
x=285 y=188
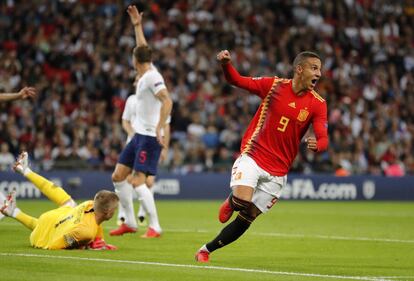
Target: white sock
x=26 y=171
x=16 y=211
x=124 y=191
x=141 y=210
x=147 y=200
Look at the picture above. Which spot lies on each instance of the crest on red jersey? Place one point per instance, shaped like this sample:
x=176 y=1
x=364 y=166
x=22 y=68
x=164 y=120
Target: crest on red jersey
x=303 y=114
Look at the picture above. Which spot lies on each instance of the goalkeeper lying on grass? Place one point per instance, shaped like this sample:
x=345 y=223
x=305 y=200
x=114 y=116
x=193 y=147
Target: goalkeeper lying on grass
x=70 y=226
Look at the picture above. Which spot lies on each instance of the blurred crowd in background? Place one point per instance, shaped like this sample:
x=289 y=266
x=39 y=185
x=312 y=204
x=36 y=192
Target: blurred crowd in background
x=78 y=54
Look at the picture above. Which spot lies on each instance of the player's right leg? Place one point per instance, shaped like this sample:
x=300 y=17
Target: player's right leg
x=55 y=193
x=9 y=209
x=124 y=189
x=125 y=192
x=247 y=213
x=230 y=232
x=245 y=176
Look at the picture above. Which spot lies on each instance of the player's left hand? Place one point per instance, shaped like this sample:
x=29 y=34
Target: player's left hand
x=27 y=92
x=99 y=244
x=312 y=143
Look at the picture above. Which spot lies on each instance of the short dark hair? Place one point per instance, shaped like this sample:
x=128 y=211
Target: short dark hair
x=143 y=54
x=301 y=57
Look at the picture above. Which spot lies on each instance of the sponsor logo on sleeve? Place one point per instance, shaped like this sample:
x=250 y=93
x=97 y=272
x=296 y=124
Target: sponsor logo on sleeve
x=238 y=176
x=158 y=84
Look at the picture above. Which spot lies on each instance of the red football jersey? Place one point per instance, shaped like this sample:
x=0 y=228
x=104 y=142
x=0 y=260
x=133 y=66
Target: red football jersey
x=274 y=134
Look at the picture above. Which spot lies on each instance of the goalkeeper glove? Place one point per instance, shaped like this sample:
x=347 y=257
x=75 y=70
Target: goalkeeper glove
x=99 y=244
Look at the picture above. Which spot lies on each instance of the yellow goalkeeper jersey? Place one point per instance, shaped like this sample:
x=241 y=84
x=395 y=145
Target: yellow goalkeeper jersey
x=66 y=228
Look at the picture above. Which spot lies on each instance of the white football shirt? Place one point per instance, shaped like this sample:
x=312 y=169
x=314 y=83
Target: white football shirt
x=148 y=106
x=129 y=114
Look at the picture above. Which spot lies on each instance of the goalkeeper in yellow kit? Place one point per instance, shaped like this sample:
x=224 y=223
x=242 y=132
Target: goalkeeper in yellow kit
x=70 y=226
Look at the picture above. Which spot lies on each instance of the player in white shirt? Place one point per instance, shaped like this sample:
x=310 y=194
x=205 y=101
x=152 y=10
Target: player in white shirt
x=128 y=117
x=141 y=155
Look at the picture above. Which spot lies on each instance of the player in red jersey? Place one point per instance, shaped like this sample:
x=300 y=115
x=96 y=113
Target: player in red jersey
x=271 y=142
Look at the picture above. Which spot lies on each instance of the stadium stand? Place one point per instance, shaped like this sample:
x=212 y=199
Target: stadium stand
x=78 y=56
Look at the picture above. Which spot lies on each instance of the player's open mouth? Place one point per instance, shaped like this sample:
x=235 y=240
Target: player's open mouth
x=313 y=81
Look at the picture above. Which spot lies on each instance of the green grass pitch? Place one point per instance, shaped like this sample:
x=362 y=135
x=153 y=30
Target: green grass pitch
x=294 y=241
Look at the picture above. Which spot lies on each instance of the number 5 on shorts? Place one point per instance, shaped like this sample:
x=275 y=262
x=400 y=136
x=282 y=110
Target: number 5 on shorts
x=142 y=156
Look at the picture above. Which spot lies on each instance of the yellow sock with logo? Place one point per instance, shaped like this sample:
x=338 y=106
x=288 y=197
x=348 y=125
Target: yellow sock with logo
x=49 y=189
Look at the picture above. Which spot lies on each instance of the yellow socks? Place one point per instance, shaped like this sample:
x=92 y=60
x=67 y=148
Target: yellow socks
x=49 y=189
x=28 y=221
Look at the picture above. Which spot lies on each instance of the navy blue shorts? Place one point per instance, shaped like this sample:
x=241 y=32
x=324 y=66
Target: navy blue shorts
x=142 y=154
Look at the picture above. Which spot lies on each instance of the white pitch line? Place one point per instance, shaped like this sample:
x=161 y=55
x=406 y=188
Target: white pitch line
x=396 y=277
x=367 y=278
x=327 y=237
